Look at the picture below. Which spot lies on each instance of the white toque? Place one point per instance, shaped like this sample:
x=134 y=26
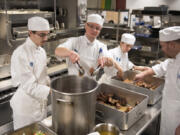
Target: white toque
x=38 y=24
x=128 y=39
x=95 y=18
x=169 y=34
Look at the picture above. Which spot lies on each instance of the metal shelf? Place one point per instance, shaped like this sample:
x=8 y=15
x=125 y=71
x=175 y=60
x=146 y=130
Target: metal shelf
x=100 y=9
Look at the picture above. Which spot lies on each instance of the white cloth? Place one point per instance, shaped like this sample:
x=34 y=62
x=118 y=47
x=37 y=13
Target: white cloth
x=94 y=133
x=169 y=34
x=29 y=73
x=88 y=52
x=38 y=24
x=170 y=114
x=128 y=39
x=95 y=18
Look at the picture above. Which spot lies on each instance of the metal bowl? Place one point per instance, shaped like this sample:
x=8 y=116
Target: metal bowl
x=107 y=128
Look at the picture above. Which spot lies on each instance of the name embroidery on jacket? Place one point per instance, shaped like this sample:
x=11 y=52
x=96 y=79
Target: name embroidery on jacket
x=118 y=59
x=31 y=64
x=178 y=79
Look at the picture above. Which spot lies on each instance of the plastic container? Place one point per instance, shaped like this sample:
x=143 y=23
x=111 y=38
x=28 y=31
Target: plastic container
x=113 y=4
x=108 y=4
x=120 y=4
x=103 y=4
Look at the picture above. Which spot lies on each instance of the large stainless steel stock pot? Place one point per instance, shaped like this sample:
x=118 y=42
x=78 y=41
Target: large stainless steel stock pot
x=73 y=104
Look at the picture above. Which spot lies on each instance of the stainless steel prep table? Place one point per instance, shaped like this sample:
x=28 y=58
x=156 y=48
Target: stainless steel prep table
x=152 y=113
x=6 y=84
x=6 y=123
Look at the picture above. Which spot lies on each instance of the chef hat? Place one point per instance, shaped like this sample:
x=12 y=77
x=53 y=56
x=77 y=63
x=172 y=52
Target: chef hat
x=38 y=24
x=128 y=39
x=169 y=34
x=95 y=18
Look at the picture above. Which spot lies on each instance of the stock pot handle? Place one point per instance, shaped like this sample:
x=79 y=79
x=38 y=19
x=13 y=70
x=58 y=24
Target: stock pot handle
x=64 y=101
x=100 y=115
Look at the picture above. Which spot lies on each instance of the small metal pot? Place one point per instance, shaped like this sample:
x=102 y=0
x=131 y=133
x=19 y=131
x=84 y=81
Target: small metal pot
x=107 y=128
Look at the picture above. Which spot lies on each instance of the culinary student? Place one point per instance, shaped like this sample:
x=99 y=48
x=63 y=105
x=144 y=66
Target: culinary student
x=29 y=74
x=170 y=68
x=86 y=49
x=120 y=55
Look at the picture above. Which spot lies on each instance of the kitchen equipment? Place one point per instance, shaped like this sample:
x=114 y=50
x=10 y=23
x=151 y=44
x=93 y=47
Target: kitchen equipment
x=81 y=69
x=95 y=72
x=5 y=66
x=107 y=129
x=161 y=10
x=6 y=111
x=32 y=129
x=13 y=25
x=73 y=104
x=124 y=120
x=154 y=95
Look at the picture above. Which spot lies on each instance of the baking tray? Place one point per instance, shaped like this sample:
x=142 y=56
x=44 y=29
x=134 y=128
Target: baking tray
x=123 y=120
x=31 y=129
x=154 y=95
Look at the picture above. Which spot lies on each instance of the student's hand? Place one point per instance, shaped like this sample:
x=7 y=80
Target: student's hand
x=140 y=76
x=140 y=68
x=105 y=61
x=177 y=132
x=73 y=56
x=120 y=75
x=50 y=91
x=102 y=61
x=109 y=62
x=147 y=72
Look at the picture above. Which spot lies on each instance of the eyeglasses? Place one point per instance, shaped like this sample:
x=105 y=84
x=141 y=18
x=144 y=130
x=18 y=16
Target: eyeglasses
x=93 y=27
x=42 y=35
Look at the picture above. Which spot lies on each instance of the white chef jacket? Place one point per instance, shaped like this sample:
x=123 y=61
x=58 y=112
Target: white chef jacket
x=121 y=58
x=29 y=73
x=170 y=114
x=89 y=53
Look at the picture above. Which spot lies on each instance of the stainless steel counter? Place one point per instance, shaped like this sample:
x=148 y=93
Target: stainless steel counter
x=6 y=84
x=6 y=123
x=152 y=113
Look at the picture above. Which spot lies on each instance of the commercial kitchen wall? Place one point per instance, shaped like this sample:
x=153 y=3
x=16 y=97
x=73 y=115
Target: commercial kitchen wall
x=135 y=4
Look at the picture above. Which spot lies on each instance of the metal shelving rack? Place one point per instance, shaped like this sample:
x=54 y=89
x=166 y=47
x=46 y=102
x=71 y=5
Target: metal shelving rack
x=149 y=51
x=140 y=14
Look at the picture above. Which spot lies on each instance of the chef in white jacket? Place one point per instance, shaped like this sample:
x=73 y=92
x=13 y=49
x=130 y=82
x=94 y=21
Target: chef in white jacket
x=120 y=55
x=29 y=74
x=170 y=114
x=86 y=49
